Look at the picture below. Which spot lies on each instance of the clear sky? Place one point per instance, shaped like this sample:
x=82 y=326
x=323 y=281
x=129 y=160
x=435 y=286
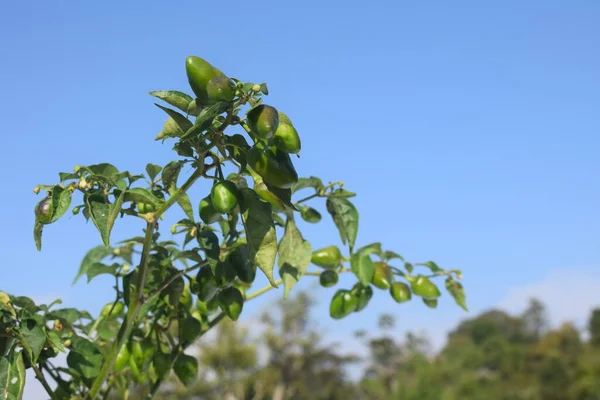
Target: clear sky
x=469 y=129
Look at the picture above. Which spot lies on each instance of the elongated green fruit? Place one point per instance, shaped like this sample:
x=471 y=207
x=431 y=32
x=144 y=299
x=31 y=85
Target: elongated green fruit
x=199 y=73
x=327 y=257
x=342 y=304
x=286 y=139
x=423 y=287
x=224 y=196
x=263 y=121
x=273 y=165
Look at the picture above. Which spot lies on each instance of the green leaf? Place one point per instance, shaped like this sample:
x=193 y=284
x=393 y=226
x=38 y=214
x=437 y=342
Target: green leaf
x=194 y=108
x=140 y=195
x=231 y=301
x=182 y=122
x=294 y=256
x=388 y=255
x=345 y=216
x=190 y=329
x=102 y=214
x=186 y=205
x=55 y=340
x=170 y=174
x=65 y=176
x=98 y=269
x=173 y=97
x=169 y=130
x=205 y=118
x=33 y=334
x=108 y=328
x=162 y=363
x=186 y=369
x=264 y=89
x=105 y=170
x=113 y=213
x=92 y=257
x=12 y=377
x=85 y=357
x=312 y=182
x=68 y=316
x=260 y=232
x=153 y=170
x=184 y=149
x=25 y=303
x=38 y=228
x=363 y=267
x=61 y=200
x=209 y=243
x=457 y=291
x=370 y=249
x=432 y=266
x=342 y=193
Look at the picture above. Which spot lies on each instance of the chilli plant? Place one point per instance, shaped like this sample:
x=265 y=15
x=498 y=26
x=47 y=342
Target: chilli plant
x=169 y=293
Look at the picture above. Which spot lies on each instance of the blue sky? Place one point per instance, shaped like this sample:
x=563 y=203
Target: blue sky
x=469 y=131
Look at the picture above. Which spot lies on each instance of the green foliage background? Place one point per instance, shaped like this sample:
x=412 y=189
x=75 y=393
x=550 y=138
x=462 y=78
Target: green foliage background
x=493 y=355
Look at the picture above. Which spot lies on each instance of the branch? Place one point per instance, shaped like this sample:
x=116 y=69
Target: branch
x=178 y=193
x=132 y=314
x=40 y=377
x=263 y=290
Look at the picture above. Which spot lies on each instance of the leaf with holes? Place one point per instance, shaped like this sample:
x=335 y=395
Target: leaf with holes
x=33 y=335
x=12 y=377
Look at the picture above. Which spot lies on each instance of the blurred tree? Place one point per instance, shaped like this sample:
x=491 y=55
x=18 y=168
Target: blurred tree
x=227 y=361
x=300 y=366
x=535 y=318
x=594 y=327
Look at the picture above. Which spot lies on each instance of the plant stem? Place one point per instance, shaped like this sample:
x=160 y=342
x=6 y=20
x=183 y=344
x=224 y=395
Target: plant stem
x=263 y=290
x=132 y=314
x=154 y=390
x=320 y=193
x=178 y=192
x=312 y=196
x=40 y=377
